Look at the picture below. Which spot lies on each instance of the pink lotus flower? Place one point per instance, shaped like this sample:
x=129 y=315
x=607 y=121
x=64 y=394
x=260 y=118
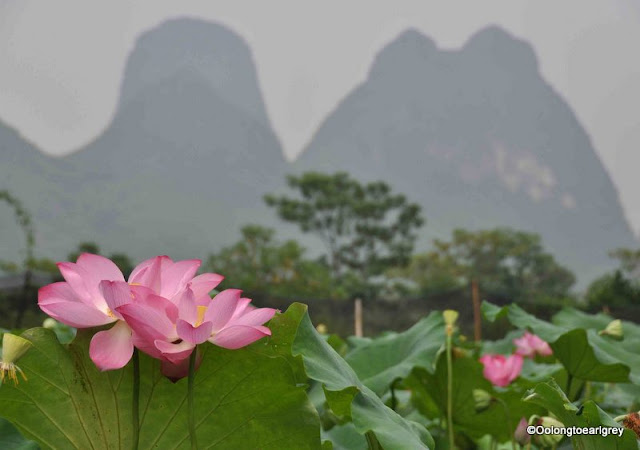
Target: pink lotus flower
x=170 y=330
x=84 y=301
x=530 y=344
x=501 y=370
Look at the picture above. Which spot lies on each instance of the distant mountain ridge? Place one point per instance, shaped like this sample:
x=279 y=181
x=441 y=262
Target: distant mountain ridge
x=476 y=136
x=185 y=160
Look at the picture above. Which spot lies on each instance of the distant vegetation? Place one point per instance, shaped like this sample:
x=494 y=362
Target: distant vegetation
x=369 y=233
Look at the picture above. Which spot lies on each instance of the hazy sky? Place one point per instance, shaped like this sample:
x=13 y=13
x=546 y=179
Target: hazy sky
x=61 y=62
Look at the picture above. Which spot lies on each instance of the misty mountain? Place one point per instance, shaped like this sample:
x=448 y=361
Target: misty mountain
x=184 y=162
x=475 y=136
x=37 y=181
x=479 y=139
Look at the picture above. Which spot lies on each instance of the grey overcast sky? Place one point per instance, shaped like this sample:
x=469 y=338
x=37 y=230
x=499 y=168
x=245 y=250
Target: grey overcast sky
x=61 y=62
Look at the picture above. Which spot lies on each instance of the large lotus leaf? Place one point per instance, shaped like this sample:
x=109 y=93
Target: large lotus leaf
x=551 y=397
x=380 y=361
x=624 y=351
x=11 y=439
x=584 y=354
x=522 y=319
x=368 y=412
x=467 y=376
x=586 y=361
x=572 y=318
x=247 y=398
x=504 y=346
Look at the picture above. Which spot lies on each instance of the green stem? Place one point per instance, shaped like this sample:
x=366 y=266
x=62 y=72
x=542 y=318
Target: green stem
x=372 y=442
x=135 y=407
x=569 y=380
x=508 y=417
x=192 y=420
x=394 y=399
x=587 y=391
x=450 y=393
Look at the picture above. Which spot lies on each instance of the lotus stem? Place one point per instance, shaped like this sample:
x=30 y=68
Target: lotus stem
x=135 y=407
x=569 y=380
x=192 y=420
x=508 y=417
x=450 y=391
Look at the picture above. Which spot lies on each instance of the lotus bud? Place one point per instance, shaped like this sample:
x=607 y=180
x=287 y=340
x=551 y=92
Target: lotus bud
x=450 y=318
x=49 y=323
x=521 y=435
x=548 y=439
x=482 y=399
x=613 y=330
x=13 y=348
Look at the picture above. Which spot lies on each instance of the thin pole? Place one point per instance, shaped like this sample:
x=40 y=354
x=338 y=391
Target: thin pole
x=357 y=316
x=477 y=319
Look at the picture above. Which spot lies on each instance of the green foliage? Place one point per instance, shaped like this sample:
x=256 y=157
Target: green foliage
x=381 y=361
x=620 y=288
x=248 y=398
x=578 y=357
x=365 y=227
x=11 y=439
x=578 y=345
x=368 y=412
x=433 y=273
x=550 y=396
x=498 y=420
x=24 y=220
x=266 y=268
x=629 y=260
x=613 y=290
x=507 y=264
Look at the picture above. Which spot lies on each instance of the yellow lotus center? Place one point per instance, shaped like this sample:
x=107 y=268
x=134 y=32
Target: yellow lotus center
x=110 y=313
x=200 y=319
x=10 y=370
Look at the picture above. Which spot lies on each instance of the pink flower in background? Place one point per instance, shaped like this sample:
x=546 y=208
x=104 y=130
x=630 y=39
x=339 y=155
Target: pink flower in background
x=94 y=290
x=530 y=344
x=520 y=435
x=501 y=370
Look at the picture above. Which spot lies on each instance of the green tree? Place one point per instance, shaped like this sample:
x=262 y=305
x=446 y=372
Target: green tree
x=22 y=301
x=629 y=261
x=506 y=263
x=432 y=272
x=366 y=228
x=620 y=288
x=612 y=290
x=262 y=267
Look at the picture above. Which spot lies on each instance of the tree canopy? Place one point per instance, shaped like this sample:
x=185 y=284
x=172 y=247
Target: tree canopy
x=620 y=288
x=366 y=228
x=261 y=266
x=506 y=263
